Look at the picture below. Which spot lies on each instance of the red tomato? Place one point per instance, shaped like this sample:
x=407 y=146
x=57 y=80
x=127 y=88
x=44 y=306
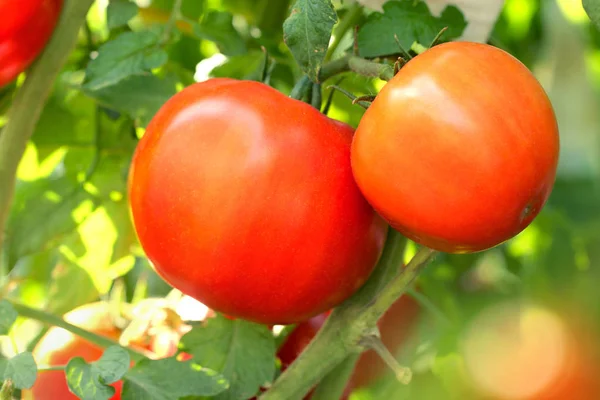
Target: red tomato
x=395 y=327
x=459 y=150
x=26 y=28
x=16 y=13
x=244 y=200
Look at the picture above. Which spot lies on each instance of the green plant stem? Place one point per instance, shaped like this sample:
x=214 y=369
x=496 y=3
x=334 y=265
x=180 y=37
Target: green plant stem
x=357 y=64
x=301 y=88
x=351 y=18
x=49 y=368
x=403 y=374
x=6 y=390
x=30 y=99
x=350 y=323
x=397 y=286
x=53 y=320
x=334 y=383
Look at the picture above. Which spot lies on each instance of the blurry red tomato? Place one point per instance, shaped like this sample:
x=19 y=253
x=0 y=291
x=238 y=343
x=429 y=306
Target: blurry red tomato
x=25 y=29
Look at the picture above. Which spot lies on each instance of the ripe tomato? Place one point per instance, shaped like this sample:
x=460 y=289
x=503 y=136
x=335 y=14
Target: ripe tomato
x=395 y=327
x=459 y=150
x=244 y=199
x=58 y=346
x=27 y=26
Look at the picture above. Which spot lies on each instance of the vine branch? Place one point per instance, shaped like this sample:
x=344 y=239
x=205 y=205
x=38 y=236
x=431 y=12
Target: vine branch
x=53 y=320
x=349 y=324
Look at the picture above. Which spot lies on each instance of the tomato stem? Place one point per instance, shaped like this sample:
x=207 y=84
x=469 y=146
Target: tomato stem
x=53 y=320
x=29 y=100
x=7 y=390
x=302 y=87
x=333 y=384
x=348 y=21
x=399 y=284
x=48 y=368
x=351 y=322
x=403 y=374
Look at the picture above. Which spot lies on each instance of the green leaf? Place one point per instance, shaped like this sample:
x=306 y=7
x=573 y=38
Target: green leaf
x=217 y=27
x=169 y=379
x=89 y=381
x=63 y=296
x=8 y=316
x=138 y=96
x=411 y=21
x=592 y=8
x=242 y=351
x=21 y=370
x=43 y=211
x=113 y=364
x=247 y=66
x=131 y=53
x=118 y=13
x=307 y=32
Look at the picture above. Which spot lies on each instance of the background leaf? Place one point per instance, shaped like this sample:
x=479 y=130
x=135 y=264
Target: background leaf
x=131 y=53
x=242 y=351
x=411 y=22
x=20 y=369
x=8 y=316
x=118 y=13
x=307 y=32
x=169 y=379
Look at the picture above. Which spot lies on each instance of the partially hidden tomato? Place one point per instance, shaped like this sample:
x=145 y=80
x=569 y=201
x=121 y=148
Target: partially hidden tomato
x=26 y=28
x=459 y=150
x=244 y=199
x=396 y=326
x=58 y=346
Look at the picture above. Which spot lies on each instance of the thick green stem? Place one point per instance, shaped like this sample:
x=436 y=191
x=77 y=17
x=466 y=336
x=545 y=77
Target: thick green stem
x=370 y=68
x=54 y=320
x=334 y=383
x=30 y=99
x=351 y=322
x=357 y=64
x=397 y=286
x=301 y=88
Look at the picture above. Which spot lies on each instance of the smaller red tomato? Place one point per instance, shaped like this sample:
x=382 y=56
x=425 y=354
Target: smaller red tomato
x=459 y=150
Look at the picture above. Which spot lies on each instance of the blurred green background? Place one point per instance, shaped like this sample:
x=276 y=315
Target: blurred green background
x=70 y=221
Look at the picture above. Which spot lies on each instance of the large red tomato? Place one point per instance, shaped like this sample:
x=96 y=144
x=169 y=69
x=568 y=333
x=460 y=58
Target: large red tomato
x=459 y=150
x=27 y=25
x=244 y=199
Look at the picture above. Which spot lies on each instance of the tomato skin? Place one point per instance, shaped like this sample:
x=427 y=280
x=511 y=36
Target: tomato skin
x=474 y=142
x=30 y=25
x=244 y=199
